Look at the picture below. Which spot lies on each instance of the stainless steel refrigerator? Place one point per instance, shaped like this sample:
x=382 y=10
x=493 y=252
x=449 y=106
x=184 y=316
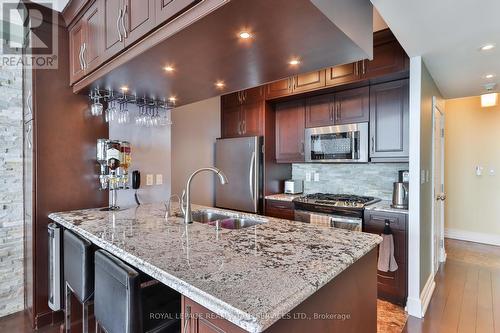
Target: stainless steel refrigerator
x=240 y=159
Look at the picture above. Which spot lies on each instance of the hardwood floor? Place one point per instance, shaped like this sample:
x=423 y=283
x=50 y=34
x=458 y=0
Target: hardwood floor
x=19 y=322
x=467 y=294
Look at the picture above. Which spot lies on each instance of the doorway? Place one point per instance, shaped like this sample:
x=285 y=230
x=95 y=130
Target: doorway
x=439 y=197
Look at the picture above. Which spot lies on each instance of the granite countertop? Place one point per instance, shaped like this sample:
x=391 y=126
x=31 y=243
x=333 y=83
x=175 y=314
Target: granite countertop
x=250 y=276
x=283 y=196
x=385 y=206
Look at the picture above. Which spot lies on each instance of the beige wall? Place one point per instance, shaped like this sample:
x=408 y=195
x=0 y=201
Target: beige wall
x=194 y=130
x=472 y=138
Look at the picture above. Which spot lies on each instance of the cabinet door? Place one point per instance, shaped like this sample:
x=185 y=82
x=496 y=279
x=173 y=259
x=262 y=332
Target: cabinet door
x=92 y=48
x=290 y=125
x=342 y=74
x=139 y=19
x=168 y=9
x=319 y=111
x=391 y=285
x=309 y=81
x=279 y=88
x=76 y=40
x=388 y=58
x=114 y=39
x=253 y=95
x=251 y=118
x=231 y=100
x=280 y=209
x=231 y=122
x=352 y=106
x=389 y=121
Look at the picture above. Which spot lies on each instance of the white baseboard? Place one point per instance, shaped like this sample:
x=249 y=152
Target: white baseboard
x=426 y=294
x=417 y=307
x=471 y=236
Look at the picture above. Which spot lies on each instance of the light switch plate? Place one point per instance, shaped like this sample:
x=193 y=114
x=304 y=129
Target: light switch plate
x=316 y=176
x=308 y=176
x=422 y=176
x=149 y=180
x=159 y=179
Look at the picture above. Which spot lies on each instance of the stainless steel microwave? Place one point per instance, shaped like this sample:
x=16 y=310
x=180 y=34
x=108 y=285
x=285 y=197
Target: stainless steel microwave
x=337 y=144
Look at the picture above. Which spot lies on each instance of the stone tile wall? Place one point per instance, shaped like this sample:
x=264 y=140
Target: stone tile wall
x=11 y=192
x=372 y=179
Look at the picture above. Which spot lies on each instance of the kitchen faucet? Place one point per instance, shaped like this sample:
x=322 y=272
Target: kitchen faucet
x=168 y=205
x=188 y=218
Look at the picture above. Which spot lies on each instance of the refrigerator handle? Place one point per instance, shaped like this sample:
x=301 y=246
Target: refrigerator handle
x=251 y=175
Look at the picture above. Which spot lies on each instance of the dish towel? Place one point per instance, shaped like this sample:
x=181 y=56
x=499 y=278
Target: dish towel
x=386 y=260
x=320 y=220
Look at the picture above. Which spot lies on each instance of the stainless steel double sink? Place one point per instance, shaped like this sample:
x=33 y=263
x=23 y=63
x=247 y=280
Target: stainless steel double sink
x=220 y=220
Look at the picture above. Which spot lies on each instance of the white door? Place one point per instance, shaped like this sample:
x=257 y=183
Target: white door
x=438 y=185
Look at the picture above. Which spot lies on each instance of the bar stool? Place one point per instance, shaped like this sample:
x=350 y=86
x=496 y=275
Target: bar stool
x=121 y=304
x=78 y=275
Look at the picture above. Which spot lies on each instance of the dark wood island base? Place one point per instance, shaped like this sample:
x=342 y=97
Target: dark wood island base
x=347 y=304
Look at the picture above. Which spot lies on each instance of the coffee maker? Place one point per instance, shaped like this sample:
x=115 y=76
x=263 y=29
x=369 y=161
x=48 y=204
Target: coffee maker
x=400 y=190
x=114 y=160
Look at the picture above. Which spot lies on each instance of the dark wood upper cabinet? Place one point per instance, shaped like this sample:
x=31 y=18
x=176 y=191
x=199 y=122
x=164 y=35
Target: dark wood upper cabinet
x=114 y=39
x=308 y=81
x=279 y=88
x=92 y=52
x=139 y=19
x=290 y=126
x=168 y=9
x=352 y=106
x=319 y=110
x=76 y=40
x=389 y=121
x=242 y=113
x=388 y=58
x=342 y=74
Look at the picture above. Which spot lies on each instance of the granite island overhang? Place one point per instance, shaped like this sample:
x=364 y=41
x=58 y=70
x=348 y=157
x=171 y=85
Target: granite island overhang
x=274 y=276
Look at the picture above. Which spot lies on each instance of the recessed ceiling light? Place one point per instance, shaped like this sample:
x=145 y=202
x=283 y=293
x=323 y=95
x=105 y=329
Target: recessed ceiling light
x=489 y=76
x=489 y=99
x=294 y=62
x=168 y=68
x=245 y=35
x=487 y=47
x=124 y=88
x=172 y=99
x=220 y=84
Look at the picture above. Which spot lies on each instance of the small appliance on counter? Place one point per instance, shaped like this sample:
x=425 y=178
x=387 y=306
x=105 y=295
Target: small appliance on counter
x=294 y=186
x=114 y=159
x=400 y=191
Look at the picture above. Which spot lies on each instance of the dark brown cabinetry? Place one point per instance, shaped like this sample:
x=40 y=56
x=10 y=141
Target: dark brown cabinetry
x=76 y=42
x=352 y=106
x=391 y=285
x=308 y=81
x=138 y=19
x=112 y=27
x=388 y=57
x=279 y=88
x=280 y=209
x=342 y=74
x=344 y=107
x=168 y=9
x=290 y=125
x=242 y=113
x=389 y=121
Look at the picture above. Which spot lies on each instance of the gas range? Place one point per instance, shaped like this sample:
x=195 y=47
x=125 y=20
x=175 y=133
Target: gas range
x=338 y=204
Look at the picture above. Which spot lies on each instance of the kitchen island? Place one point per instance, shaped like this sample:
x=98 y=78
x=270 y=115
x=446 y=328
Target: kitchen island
x=276 y=276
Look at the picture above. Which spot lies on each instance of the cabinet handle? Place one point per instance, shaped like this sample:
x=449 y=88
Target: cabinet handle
x=80 y=57
x=289 y=84
x=339 y=112
x=373 y=144
x=120 y=13
x=83 y=55
x=302 y=148
x=28 y=138
x=28 y=104
x=125 y=34
x=239 y=127
x=356 y=68
x=364 y=67
x=187 y=318
x=244 y=123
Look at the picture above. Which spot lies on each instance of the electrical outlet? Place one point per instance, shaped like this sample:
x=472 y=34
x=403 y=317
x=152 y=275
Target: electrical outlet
x=149 y=180
x=492 y=171
x=316 y=176
x=422 y=176
x=308 y=176
x=159 y=179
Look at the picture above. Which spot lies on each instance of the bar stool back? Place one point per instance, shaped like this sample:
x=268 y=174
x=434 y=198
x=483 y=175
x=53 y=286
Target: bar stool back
x=122 y=305
x=78 y=275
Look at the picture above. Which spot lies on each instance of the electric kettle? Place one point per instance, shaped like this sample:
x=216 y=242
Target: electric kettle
x=400 y=195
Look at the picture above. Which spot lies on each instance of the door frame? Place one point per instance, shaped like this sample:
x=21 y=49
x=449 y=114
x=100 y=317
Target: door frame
x=439 y=254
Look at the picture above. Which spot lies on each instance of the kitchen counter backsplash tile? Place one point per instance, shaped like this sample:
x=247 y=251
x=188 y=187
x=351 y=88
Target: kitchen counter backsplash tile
x=372 y=179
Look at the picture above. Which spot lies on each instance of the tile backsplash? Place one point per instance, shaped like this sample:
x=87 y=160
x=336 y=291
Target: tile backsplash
x=372 y=179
